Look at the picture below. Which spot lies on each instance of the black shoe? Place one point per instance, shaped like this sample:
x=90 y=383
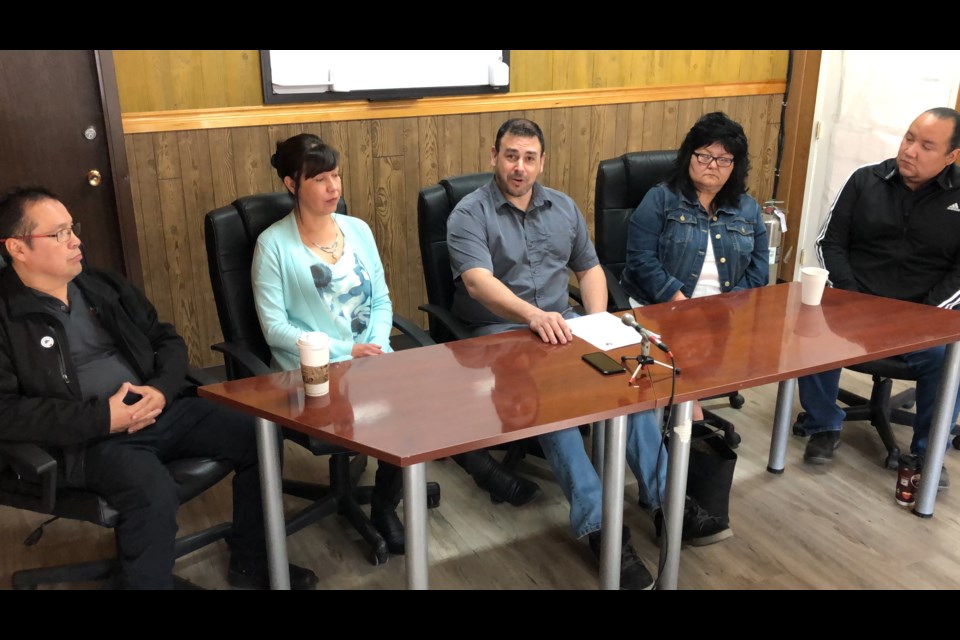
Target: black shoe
x=503 y=485
x=699 y=527
x=821 y=446
x=514 y=489
x=633 y=573
x=254 y=575
x=388 y=525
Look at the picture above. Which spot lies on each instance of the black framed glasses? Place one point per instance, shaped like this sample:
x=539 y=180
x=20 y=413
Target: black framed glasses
x=63 y=235
x=705 y=159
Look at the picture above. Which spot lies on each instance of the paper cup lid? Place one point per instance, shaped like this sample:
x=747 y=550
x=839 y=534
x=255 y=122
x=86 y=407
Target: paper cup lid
x=313 y=339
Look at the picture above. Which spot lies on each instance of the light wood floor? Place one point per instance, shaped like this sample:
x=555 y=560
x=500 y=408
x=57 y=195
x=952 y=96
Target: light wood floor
x=814 y=527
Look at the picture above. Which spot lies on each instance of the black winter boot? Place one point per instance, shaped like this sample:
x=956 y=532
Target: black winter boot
x=387 y=493
x=490 y=475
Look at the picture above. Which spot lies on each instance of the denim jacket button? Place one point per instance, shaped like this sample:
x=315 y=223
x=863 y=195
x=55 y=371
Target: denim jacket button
x=727 y=283
x=717 y=236
x=722 y=260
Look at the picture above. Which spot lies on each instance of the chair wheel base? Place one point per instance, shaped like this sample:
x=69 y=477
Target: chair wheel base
x=737 y=401
x=732 y=439
x=433 y=495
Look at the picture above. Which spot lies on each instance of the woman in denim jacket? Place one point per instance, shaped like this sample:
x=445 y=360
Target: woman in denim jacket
x=698 y=234
x=669 y=256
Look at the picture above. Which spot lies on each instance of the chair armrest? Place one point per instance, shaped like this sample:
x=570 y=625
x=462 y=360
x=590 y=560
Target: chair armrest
x=199 y=377
x=412 y=331
x=617 y=298
x=574 y=292
x=244 y=357
x=447 y=319
x=34 y=465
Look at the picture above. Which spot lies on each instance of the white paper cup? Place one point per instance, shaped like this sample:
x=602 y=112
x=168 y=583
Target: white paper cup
x=812 y=282
x=315 y=362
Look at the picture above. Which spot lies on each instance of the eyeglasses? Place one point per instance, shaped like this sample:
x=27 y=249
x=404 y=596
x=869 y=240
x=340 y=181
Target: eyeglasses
x=63 y=236
x=705 y=159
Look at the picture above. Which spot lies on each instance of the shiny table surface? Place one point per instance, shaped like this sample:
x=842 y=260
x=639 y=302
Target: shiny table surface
x=431 y=402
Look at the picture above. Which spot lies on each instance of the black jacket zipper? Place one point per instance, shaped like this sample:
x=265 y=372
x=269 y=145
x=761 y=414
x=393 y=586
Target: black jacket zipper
x=60 y=360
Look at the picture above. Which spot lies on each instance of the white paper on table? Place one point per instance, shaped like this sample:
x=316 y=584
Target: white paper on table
x=603 y=330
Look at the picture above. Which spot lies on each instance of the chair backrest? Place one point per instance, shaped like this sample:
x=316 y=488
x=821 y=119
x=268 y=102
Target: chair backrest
x=621 y=185
x=434 y=205
x=231 y=237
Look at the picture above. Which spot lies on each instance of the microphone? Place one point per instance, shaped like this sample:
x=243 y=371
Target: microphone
x=630 y=321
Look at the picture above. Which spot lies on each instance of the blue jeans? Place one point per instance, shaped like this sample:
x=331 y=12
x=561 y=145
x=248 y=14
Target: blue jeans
x=575 y=473
x=579 y=480
x=818 y=395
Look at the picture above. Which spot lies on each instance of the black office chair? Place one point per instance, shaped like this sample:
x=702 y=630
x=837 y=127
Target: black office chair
x=231 y=236
x=882 y=409
x=622 y=183
x=28 y=480
x=434 y=205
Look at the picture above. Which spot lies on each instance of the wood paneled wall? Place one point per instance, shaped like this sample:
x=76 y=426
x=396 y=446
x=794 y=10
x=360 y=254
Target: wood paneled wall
x=559 y=70
x=164 y=80
x=177 y=177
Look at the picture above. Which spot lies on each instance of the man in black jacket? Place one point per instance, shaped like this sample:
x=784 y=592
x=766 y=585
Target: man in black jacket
x=88 y=372
x=894 y=231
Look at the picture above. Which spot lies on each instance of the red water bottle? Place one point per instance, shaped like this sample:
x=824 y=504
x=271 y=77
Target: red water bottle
x=908 y=479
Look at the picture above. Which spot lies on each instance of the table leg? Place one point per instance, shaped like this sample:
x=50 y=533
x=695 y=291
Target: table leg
x=415 y=524
x=677 y=462
x=615 y=457
x=268 y=450
x=939 y=432
x=781 y=425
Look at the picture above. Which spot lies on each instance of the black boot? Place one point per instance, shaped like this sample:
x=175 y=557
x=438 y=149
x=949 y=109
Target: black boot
x=491 y=476
x=387 y=492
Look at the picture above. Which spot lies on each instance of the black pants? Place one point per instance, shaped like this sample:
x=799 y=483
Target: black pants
x=128 y=471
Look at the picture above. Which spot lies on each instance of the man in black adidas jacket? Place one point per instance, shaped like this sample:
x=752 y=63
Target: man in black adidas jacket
x=89 y=373
x=894 y=231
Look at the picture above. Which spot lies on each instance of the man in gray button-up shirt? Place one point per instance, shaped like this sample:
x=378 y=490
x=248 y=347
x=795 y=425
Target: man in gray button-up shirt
x=511 y=242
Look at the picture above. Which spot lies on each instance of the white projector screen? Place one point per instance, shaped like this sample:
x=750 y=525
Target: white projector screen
x=318 y=75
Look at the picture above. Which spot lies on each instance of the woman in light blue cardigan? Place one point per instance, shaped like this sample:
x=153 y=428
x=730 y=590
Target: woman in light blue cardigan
x=296 y=290
x=315 y=270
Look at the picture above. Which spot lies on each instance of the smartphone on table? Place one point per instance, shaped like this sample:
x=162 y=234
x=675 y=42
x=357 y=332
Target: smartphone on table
x=603 y=363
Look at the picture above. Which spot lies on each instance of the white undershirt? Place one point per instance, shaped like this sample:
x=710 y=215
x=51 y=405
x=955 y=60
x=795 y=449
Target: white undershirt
x=708 y=284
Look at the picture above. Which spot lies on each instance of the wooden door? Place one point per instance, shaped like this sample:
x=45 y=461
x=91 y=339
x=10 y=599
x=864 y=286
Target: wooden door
x=53 y=133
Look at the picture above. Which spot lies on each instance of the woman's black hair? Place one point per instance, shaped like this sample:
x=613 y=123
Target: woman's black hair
x=714 y=127
x=302 y=157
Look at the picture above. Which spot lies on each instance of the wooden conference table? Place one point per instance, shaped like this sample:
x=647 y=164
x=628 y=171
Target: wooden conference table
x=418 y=405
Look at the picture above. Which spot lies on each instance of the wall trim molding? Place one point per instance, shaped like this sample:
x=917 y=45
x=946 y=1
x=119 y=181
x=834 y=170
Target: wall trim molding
x=190 y=119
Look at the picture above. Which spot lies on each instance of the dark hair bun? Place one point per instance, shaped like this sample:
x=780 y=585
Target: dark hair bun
x=273 y=161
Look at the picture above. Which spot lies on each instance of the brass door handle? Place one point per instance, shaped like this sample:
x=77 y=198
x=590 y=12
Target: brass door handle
x=94 y=178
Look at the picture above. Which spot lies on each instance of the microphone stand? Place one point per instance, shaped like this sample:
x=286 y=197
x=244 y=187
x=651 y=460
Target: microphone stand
x=644 y=359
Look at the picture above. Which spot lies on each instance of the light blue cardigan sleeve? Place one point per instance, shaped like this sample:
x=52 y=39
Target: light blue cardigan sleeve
x=286 y=298
x=381 y=311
